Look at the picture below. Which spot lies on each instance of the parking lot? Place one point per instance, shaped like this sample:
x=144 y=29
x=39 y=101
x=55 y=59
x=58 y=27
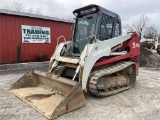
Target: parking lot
x=139 y=103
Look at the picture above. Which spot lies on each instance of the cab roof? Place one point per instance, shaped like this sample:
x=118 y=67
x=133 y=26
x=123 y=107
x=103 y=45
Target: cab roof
x=103 y=10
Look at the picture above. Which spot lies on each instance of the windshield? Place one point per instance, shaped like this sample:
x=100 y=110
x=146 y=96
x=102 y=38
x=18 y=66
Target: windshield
x=85 y=27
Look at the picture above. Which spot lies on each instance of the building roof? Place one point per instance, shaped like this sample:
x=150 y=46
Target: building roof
x=23 y=14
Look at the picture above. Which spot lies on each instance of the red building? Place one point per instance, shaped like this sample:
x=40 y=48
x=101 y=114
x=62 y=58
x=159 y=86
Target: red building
x=23 y=34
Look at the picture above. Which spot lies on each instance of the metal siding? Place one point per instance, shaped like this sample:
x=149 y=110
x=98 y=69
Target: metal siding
x=1 y=39
x=4 y=40
x=10 y=36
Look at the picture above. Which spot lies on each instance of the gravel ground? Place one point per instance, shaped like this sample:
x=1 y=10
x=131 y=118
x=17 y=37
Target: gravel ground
x=139 y=103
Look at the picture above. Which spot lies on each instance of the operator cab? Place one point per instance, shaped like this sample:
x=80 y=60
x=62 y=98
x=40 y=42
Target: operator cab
x=97 y=21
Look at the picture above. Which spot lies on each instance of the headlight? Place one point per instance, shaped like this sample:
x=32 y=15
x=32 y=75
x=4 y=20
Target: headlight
x=76 y=14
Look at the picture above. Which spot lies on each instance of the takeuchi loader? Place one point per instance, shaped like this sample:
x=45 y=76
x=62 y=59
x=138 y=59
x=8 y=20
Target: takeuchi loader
x=98 y=60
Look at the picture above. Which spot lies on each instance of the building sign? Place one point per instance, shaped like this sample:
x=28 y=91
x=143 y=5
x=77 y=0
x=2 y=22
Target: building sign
x=35 y=34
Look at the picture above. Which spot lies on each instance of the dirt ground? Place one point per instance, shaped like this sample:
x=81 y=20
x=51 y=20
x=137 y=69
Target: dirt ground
x=139 y=103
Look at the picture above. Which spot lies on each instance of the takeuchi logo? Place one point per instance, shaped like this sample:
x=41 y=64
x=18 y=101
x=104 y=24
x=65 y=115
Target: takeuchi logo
x=100 y=51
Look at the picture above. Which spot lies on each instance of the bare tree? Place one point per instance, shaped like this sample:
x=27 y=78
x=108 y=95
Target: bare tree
x=17 y=6
x=138 y=25
x=68 y=18
x=38 y=11
x=150 y=32
x=7 y=7
x=30 y=10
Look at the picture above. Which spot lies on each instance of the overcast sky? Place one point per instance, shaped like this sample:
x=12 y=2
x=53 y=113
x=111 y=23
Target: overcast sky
x=127 y=9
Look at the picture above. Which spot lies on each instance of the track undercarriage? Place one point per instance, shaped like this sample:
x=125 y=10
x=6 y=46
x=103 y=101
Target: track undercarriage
x=112 y=79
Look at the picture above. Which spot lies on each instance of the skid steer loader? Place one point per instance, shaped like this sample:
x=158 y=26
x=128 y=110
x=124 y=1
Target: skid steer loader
x=98 y=60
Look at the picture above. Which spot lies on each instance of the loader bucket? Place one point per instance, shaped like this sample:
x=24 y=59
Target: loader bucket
x=50 y=95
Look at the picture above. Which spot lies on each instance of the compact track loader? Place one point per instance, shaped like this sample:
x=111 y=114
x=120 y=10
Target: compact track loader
x=98 y=60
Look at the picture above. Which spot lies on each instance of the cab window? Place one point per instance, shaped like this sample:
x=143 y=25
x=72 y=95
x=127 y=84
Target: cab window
x=117 y=30
x=106 y=28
